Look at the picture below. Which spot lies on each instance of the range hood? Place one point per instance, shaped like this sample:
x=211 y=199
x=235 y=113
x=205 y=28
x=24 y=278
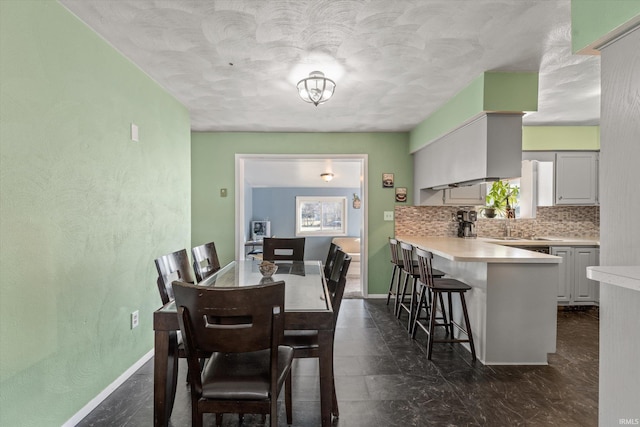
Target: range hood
x=485 y=149
x=464 y=183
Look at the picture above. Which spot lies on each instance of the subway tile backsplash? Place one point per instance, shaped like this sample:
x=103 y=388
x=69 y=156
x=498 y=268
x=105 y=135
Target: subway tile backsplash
x=562 y=221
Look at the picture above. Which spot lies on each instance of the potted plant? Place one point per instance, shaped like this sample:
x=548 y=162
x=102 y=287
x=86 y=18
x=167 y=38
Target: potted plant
x=500 y=196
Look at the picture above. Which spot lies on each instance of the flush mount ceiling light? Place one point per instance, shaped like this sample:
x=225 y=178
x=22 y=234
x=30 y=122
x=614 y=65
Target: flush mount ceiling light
x=316 y=89
x=326 y=177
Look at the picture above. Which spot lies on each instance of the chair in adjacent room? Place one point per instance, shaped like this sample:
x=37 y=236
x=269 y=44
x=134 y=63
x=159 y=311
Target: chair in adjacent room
x=283 y=249
x=411 y=276
x=438 y=287
x=305 y=343
x=205 y=260
x=242 y=329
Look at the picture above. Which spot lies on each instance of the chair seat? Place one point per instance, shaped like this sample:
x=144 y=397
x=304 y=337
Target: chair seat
x=450 y=285
x=301 y=339
x=243 y=376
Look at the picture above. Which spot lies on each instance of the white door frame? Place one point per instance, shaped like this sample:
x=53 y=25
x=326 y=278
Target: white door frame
x=240 y=193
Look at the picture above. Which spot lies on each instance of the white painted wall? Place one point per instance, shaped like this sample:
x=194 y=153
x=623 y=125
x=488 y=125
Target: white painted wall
x=619 y=393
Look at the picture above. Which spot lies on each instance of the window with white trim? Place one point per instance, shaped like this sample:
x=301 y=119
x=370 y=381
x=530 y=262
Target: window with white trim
x=321 y=216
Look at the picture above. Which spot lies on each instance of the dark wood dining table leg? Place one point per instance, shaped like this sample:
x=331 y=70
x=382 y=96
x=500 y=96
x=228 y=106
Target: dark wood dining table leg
x=325 y=344
x=165 y=373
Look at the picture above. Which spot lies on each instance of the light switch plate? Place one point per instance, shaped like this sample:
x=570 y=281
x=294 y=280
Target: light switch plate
x=134 y=133
x=388 y=215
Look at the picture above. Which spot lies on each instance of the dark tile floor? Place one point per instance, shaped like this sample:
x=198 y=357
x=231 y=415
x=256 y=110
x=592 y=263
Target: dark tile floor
x=384 y=379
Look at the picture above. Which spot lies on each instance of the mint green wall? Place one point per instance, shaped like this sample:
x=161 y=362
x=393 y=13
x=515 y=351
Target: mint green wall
x=491 y=91
x=213 y=167
x=591 y=20
x=552 y=138
x=83 y=211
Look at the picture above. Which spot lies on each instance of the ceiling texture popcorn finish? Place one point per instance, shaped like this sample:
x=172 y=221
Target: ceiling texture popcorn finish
x=235 y=63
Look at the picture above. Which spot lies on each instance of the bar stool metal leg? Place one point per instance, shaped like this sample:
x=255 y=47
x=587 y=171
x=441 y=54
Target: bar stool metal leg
x=391 y=287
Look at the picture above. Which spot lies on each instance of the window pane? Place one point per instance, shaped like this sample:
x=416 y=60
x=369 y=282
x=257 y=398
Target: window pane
x=322 y=216
x=310 y=214
x=332 y=215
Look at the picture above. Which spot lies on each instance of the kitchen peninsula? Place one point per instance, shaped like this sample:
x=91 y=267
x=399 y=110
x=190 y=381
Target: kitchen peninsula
x=512 y=305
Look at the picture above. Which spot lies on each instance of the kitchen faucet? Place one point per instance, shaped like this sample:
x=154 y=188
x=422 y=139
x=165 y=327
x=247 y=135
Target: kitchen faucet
x=507 y=228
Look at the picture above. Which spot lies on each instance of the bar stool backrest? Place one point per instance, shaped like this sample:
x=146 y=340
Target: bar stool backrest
x=425 y=266
x=407 y=257
x=393 y=246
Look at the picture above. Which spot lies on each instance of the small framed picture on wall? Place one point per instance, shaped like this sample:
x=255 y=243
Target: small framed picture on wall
x=387 y=180
x=401 y=195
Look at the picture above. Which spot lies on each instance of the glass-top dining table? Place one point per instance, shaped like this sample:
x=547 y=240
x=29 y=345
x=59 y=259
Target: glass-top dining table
x=307 y=306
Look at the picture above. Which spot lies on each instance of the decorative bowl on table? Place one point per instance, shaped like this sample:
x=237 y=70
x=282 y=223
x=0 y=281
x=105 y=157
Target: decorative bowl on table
x=267 y=269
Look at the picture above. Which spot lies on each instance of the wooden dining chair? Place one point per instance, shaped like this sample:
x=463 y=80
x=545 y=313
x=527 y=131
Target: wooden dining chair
x=283 y=249
x=305 y=343
x=242 y=329
x=174 y=266
x=170 y=267
x=205 y=260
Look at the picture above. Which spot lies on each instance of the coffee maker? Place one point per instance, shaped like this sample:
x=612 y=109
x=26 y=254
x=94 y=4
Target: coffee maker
x=467 y=224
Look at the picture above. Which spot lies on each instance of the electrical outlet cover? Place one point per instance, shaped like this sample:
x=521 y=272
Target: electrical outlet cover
x=135 y=319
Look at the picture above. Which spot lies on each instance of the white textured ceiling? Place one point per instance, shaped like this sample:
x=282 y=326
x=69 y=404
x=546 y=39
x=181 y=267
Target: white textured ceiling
x=234 y=63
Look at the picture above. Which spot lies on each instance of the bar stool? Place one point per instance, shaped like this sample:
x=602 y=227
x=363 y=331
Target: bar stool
x=438 y=287
x=410 y=270
x=397 y=268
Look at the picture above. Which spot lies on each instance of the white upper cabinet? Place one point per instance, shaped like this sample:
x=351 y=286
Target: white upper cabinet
x=472 y=195
x=576 y=178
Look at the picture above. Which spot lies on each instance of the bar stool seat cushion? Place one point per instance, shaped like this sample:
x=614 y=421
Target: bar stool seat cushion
x=449 y=285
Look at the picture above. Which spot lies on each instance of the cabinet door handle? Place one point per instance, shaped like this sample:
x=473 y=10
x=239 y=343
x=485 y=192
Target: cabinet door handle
x=560 y=198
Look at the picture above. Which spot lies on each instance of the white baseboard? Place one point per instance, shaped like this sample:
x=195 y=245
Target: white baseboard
x=377 y=296
x=93 y=404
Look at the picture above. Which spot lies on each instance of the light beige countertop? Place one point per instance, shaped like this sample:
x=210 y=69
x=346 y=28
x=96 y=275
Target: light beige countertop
x=623 y=276
x=545 y=241
x=480 y=250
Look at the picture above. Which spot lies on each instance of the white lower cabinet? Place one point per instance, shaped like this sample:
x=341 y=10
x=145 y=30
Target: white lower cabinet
x=574 y=288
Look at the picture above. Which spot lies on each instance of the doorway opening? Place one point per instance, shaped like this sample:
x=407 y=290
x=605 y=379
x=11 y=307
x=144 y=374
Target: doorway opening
x=266 y=187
